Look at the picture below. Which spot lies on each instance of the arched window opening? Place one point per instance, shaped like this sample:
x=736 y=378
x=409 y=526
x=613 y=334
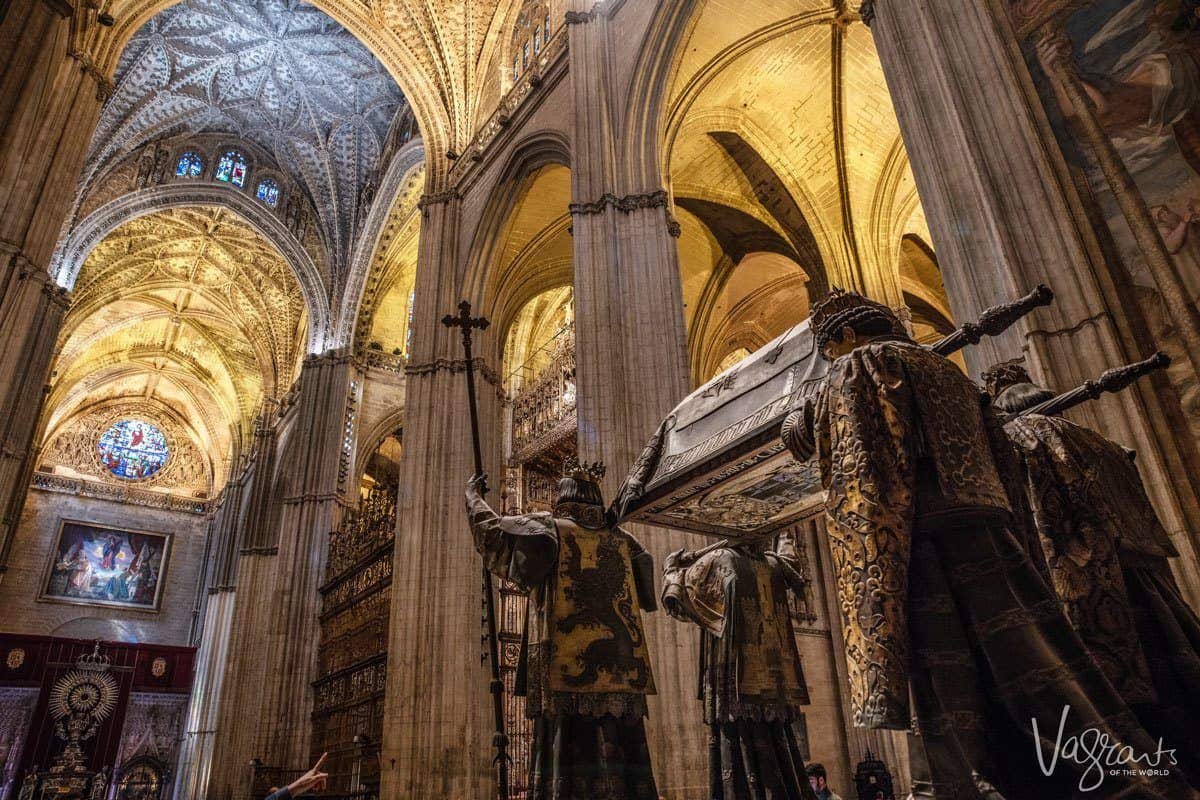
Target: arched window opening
x=190 y=165
x=232 y=168
x=268 y=192
x=530 y=35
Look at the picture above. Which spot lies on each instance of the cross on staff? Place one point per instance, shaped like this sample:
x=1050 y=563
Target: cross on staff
x=467 y=323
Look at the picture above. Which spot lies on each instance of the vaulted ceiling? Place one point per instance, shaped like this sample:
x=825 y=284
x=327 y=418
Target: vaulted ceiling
x=279 y=73
x=189 y=310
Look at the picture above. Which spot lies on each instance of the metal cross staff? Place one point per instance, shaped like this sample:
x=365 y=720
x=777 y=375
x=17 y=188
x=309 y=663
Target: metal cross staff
x=466 y=322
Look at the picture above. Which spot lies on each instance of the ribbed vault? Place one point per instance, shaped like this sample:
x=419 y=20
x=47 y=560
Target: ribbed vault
x=189 y=310
x=279 y=73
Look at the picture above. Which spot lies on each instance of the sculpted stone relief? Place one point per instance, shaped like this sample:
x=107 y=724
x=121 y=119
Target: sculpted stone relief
x=186 y=471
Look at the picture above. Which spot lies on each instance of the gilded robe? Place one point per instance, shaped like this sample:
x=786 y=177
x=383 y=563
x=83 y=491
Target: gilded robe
x=751 y=679
x=1108 y=554
x=584 y=667
x=937 y=589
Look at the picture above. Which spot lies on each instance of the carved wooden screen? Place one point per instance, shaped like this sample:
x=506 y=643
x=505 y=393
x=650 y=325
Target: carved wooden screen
x=355 y=604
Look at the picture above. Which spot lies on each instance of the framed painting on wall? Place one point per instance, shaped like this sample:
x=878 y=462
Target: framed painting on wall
x=102 y=566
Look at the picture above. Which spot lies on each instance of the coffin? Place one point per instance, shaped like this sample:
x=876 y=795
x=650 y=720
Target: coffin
x=717 y=465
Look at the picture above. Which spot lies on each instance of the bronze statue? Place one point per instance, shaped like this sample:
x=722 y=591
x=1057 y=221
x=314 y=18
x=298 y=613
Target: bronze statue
x=584 y=667
x=1108 y=555
x=751 y=682
x=939 y=597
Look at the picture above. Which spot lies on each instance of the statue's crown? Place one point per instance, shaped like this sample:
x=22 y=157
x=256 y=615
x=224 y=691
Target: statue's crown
x=94 y=661
x=840 y=308
x=1000 y=376
x=583 y=471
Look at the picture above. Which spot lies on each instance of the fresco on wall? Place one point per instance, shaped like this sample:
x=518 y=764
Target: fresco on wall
x=1138 y=62
x=93 y=565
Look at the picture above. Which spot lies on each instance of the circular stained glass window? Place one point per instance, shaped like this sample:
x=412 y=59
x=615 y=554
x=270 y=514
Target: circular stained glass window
x=133 y=449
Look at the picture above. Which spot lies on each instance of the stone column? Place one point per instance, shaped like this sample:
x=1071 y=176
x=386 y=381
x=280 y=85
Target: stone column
x=631 y=352
x=1005 y=215
x=437 y=734
x=293 y=502
x=31 y=311
x=50 y=98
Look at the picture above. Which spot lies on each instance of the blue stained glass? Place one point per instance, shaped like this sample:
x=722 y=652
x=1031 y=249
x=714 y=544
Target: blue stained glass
x=232 y=168
x=268 y=192
x=133 y=449
x=190 y=166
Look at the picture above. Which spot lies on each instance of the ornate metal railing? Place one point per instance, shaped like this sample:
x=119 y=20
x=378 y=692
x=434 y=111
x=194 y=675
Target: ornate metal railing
x=362 y=531
x=543 y=409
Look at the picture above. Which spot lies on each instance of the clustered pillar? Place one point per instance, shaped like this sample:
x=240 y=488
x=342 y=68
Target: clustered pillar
x=50 y=98
x=438 y=726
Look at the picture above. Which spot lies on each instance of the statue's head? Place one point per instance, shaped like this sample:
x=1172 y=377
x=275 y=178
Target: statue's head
x=1011 y=388
x=579 y=495
x=844 y=320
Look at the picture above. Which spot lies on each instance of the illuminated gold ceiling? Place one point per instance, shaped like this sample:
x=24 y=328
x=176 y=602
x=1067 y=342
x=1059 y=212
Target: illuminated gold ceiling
x=781 y=138
x=190 y=310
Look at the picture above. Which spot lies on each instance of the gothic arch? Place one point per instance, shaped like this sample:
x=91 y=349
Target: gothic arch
x=503 y=292
x=92 y=230
x=408 y=159
x=374 y=436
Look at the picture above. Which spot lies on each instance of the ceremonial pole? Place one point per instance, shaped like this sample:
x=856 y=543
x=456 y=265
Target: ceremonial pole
x=466 y=322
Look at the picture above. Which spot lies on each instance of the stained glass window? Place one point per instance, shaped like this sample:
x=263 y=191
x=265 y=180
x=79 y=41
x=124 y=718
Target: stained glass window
x=232 y=168
x=537 y=40
x=268 y=192
x=190 y=166
x=133 y=449
x=546 y=29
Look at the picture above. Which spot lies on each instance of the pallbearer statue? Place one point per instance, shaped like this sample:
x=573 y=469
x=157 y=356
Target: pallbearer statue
x=584 y=667
x=751 y=682
x=1108 y=556
x=938 y=596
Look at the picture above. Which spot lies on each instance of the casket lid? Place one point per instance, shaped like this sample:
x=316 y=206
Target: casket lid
x=721 y=468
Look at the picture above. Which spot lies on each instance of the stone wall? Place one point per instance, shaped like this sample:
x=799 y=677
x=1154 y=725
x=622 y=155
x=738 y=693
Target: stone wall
x=27 y=567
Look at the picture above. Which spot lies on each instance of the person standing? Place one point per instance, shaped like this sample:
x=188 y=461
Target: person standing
x=938 y=597
x=584 y=666
x=751 y=680
x=819 y=781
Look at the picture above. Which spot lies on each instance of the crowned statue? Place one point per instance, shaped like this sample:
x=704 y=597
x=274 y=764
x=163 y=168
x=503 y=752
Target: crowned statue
x=584 y=667
x=940 y=600
x=751 y=681
x=1109 y=555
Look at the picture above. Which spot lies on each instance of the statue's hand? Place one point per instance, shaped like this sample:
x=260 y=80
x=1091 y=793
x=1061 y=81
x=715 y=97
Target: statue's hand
x=680 y=559
x=478 y=483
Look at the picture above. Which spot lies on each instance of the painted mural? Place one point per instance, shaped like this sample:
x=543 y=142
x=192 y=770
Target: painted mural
x=1137 y=63
x=93 y=565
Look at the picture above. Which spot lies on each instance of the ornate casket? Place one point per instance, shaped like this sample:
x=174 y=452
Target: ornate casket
x=717 y=465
